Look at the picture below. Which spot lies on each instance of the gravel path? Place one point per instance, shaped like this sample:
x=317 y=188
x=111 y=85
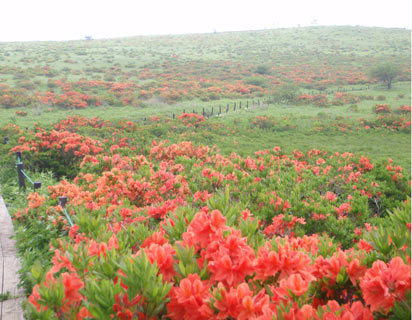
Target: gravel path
x=9 y=265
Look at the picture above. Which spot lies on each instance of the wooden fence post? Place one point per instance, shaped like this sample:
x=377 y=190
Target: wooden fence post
x=62 y=201
x=22 y=183
x=36 y=185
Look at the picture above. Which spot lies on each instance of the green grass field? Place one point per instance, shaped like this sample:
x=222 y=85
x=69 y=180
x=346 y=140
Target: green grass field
x=330 y=58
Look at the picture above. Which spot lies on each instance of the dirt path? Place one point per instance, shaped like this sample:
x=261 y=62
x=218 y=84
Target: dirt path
x=9 y=265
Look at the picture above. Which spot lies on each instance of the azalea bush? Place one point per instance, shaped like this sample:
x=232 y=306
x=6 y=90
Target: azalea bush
x=14 y=97
x=382 y=108
x=191 y=119
x=403 y=110
x=180 y=231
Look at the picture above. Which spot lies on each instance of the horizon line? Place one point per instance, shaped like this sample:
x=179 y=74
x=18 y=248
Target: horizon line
x=200 y=33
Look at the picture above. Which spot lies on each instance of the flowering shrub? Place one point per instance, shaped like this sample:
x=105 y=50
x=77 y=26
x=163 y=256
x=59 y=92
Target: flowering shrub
x=342 y=98
x=393 y=122
x=14 y=97
x=264 y=122
x=321 y=100
x=181 y=231
x=382 y=108
x=191 y=119
x=269 y=122
x=60 y=151
x=403 y=110
x=68 y=100
x=20 y=113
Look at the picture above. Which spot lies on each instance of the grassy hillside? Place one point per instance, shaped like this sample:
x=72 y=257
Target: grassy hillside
x=139 y=77
x=205 y=66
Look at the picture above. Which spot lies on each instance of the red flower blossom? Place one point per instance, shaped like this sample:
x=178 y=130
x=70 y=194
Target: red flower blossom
x=296 y=284
x=240 y=303
x=163 y=256
x=230 y=259
x=384 y=284
x=190 y=300
x=72 y=284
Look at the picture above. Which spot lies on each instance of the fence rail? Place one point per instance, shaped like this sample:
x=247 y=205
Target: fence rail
x=22 y=176
x=254 y=103
x=220 y=109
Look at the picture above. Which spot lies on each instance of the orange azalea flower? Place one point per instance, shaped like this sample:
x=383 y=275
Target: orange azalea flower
x=35 y=200
x=190 y=301
x=229 y=259
x=296 y=284
x=163 y=256
x=206 y=227
x=384 y=284
x=72 y=284
x=330 y=196
x=61 y=261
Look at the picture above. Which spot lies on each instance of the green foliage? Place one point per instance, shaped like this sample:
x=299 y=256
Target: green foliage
x=188 y=263
x=393 y=237
x=177 y=224
x=402 y=310
x=263 y=69
x=256 y=81
x=285 y=94
x=5 y=296
x=101 y=297
x=224 y=203
x=62 y=165
x=140 y=277
x=250 y=229
x=35 y=250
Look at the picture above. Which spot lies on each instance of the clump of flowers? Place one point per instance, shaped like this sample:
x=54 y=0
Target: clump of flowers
x=382 y=108
x=403 y=110
x=191 y=119
x=264 y=122
x=20 y=113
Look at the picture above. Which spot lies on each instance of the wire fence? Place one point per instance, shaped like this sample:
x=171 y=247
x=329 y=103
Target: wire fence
x=222 y=109
x=23 y=176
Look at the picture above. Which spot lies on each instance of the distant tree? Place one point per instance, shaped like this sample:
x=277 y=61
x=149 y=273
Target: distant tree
x=262 y=69
x=287 y=94
x=385 y=73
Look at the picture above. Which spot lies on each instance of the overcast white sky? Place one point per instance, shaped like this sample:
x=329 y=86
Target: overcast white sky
x=26 y=20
